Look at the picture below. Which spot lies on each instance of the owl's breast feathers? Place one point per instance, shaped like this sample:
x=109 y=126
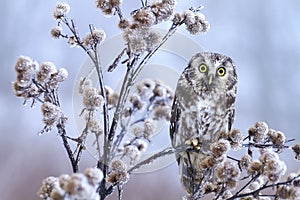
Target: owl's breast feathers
x=201 y=117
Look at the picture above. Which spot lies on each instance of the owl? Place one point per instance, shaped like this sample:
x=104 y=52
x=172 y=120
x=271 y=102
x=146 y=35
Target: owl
x=203 y=107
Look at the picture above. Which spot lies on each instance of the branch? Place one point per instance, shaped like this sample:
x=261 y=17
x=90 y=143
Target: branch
x=63 y=135
x=166 y=151
x=253 y=193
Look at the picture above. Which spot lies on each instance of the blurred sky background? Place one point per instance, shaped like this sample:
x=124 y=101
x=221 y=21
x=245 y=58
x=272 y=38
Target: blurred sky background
x=262 y=37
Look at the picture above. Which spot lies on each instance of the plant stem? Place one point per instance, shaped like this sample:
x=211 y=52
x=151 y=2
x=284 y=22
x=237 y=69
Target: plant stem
x=166 y=151
x=64 y=138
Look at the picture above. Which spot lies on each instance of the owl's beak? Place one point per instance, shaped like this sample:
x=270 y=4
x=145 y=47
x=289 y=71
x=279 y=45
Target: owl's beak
x=210 y=79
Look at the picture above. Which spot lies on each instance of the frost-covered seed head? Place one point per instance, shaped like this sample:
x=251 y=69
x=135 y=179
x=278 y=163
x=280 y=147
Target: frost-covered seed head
x=195 y=21
x=227 y=194
x=61 y=75
x=276 y=137
x=94 y=38
x=94 y=176
x=220 y=147
x=118 y=165
x=92 y=100
x=208 y=162
x=63 y=180
x=149 y=128
x=296 y=149
x=259 y=131
x=141 y=39
x=162 y=112
x=51 y=113
x=162 y=11
x=254 y=186
x=141 y=145
x=120 y=177
x=94 y=125
x=83 y=84
x=45 y=71
x=132 y=152
x=145 y=88
x=274 y=166
x=107 y=6
x=144 y=17
x=245 y=161
x=160 y=90
x=47 y=187
x=78 y=186
x=138 y=131
x=72 y=41
x=268 y=155
x=255 y=167
x=227 y=171
x=124 y=24
x=61 y=10
x=56 y=32
x=236 y=139
x=136 y=101
x=25 y=64
x=177 y=19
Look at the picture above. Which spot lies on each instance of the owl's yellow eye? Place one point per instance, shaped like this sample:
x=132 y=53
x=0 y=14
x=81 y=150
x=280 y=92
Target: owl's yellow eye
x=203 y=68
x=221 y=71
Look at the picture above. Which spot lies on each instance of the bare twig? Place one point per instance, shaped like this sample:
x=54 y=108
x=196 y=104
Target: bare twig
x=253 y=193
x=63 y=135
x=166 y=151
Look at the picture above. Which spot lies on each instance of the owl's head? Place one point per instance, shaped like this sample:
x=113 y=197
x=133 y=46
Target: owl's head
x=211 y=71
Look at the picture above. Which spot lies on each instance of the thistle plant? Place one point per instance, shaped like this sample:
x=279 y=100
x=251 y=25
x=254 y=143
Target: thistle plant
x=123 y=121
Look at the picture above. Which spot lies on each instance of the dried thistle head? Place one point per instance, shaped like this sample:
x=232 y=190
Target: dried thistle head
x=219 y=148
x=296 y=150
x=259 y=131
x=56 y=32
x=61 y=10
x=107 y=6
x=95 y=37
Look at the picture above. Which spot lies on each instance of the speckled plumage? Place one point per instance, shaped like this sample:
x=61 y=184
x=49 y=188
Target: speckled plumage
x=202 y=108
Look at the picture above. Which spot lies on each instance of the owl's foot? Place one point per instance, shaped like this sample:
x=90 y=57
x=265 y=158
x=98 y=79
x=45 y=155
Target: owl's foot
x=194 y=144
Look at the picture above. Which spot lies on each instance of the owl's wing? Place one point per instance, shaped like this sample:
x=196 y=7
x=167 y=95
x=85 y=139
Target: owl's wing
x=231 y=107
x=174 y=121
x=231 y=116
